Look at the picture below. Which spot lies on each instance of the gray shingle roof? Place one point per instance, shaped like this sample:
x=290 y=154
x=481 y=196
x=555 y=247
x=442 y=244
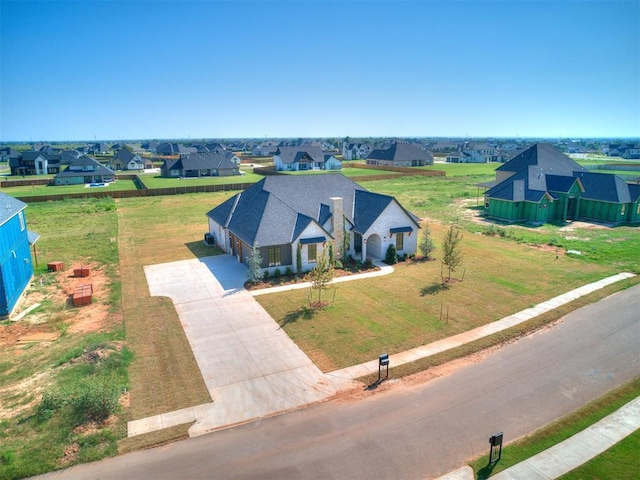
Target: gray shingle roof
x=203 y=161
x=275 y=210
x=605 y=187
x=401 y=152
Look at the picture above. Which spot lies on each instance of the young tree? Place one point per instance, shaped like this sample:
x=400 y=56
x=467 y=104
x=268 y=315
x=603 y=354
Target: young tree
x=299 y=259
x=427 y=245
x=452 y=249
x=321 y=276
x=255 y=265
x=346 y=241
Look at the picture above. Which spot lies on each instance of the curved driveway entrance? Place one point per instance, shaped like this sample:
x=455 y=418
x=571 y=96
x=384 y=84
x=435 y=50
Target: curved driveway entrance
x=249 y=364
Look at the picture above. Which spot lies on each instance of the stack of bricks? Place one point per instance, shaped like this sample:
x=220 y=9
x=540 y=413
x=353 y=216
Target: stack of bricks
x=81 y=272
x=83 y=295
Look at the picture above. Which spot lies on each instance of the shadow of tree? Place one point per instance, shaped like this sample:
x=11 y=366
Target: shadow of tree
x=434 y=288
x=304 y=313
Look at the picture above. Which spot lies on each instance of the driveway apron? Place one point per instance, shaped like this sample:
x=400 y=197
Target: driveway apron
x=249 y=364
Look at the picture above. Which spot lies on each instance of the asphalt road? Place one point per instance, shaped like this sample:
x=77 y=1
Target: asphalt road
x=416 y=431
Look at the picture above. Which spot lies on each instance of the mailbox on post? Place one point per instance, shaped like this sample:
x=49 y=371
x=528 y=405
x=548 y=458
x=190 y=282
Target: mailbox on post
x=383 y=361
x=496 y=448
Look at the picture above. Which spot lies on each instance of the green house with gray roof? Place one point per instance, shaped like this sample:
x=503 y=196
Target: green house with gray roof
x=541 y=185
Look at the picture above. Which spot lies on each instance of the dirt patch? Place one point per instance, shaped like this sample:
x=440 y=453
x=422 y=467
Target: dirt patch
x=54 y=293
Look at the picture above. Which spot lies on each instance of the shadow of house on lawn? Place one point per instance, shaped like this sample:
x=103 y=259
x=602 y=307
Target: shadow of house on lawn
x=201 y=249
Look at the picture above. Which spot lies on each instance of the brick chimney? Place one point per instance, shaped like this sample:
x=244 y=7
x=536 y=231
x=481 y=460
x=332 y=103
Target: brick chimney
x=337 y=225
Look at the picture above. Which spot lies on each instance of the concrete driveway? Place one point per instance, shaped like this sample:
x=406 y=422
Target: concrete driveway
x=249 y=364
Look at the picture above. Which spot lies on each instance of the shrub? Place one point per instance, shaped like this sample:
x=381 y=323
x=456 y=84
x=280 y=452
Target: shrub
x=391 y=256
x=277 y=273
x=265 y=275
x=288 y=272
x=368 y=263
x=339 y=265
x=97 y=398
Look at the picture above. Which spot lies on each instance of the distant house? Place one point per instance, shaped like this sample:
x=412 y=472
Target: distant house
x=149 y=146
x=16 y=267
x=126 y=160
x=305 y=157
x=7 y=154
x=400 y=155
x=174 y=149
x=475 y=153
x=355 y=151
x=265 y=149
x=84 y=170
x=33 y=162
x=283 y=214
x=202 y=164
x=99 y=148
x=542 y=185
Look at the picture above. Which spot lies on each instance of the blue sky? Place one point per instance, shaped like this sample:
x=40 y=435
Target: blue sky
x=220 y=69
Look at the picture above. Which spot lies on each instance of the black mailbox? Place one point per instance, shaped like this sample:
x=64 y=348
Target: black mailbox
x=496 y=448
x=383 y=361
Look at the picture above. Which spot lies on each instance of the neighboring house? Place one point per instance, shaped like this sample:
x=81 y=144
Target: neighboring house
x=7 y=154
x=174 y=149
x=149 y=146
x=305 y=157
x=443 y=146
x=265 y=149
x=16 y=267
x=33 y=162
x=400 y=155
x=631 y=153
x=478 y=153
x=99 y=148
x=84 y=170
x=202 y=164
x=355 y=151
x=68 y=156
x=282 y=214
x=542 y=185
x=126 y=160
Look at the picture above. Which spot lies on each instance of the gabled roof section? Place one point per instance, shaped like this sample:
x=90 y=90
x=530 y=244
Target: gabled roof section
x=78 y=168
x=634 y=192
x=222 y=212
x=561 y=184
x=204 y=161
x=9 y=207
x=605 y=187
x=302 y=222
x=368 y=207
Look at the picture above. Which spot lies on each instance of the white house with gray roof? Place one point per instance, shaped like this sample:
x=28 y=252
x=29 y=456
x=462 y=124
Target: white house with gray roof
x=305 y=157
x=281 y=214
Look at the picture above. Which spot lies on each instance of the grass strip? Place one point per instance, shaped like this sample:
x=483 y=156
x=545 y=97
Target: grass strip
x=568 y=426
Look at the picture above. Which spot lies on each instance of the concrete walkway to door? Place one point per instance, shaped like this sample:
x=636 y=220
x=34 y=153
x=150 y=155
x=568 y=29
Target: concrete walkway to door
x=249 y=364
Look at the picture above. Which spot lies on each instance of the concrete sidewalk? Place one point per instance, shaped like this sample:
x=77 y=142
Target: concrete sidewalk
x=357 y=371
x=572 y=452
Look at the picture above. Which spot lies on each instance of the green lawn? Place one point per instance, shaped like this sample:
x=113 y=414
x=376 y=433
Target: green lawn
x=347 y=172
x=43 y=190
x=405 y=309
x=156 y=181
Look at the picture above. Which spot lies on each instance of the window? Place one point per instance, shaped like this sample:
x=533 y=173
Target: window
x=399 y=241
x=21 y=218
x=274 y=257
x=623 y=209
x=638 y=210
x=312 y=252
